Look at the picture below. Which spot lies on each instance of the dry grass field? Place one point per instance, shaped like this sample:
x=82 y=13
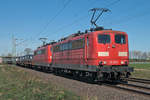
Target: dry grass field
x=16 y=84
x=141 y=71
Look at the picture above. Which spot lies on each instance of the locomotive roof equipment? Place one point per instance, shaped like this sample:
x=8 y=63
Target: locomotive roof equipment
x=101 y=11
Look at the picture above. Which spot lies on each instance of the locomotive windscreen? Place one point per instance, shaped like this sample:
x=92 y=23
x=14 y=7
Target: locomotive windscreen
x=103 y=38
x=120 y=39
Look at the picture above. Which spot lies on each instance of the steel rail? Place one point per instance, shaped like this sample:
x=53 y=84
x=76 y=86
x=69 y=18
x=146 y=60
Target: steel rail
x=145 y=82
x=128 y=89
x=133 y=85
x=140 y=79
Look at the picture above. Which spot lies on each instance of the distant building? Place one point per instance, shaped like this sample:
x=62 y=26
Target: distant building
x=1 y=60
x=7 y=60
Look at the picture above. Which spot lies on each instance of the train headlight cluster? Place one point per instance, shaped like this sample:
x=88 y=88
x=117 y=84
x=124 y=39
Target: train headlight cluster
x=124 y=62
x=102 y=62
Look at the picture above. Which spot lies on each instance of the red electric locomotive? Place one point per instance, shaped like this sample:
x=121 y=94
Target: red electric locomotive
x=101 y=54
x=42 y=57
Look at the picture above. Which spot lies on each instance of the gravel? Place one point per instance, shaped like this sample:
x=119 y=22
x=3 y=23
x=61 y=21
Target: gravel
x=86 y=90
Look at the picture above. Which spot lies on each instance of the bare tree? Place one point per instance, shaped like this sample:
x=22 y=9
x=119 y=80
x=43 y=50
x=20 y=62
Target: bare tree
x=130 y=55
x=9 y=55
x=144 y=55
x=148 y=54
x=135 y=54
x=139 y=54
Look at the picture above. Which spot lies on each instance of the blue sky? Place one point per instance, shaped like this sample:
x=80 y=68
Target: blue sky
x=29 y=20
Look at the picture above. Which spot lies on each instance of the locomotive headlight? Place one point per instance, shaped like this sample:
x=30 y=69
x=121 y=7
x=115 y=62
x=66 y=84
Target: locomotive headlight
x=105 y=62
x=122 y=62
x=50 y=57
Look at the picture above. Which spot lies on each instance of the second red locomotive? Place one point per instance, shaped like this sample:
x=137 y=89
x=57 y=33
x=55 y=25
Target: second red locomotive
x=43 y=57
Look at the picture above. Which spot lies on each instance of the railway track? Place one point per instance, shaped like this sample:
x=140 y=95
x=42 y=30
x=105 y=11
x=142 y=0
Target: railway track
x=135 y=86
x=131 y=88
x=142 y=90
x=145 y=81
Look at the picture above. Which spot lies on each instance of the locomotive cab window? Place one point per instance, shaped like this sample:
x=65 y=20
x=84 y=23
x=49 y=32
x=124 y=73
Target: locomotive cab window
x=103 y=38
x=120 y=39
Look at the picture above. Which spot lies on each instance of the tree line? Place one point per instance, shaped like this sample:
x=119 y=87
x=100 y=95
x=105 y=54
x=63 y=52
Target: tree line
x=139 y=55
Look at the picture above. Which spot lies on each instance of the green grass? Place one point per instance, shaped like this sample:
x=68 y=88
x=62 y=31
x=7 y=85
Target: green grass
x=141 y=74
x=141 y=71
x=141 y=66
x=16 y=84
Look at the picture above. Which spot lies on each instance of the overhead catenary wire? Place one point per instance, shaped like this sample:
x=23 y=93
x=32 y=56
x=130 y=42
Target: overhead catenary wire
x=76 y=20
x=54 y=17
x=113 y=3
x=129 y=18
x=60 y=11
x=49 y=22
x=82 y=17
